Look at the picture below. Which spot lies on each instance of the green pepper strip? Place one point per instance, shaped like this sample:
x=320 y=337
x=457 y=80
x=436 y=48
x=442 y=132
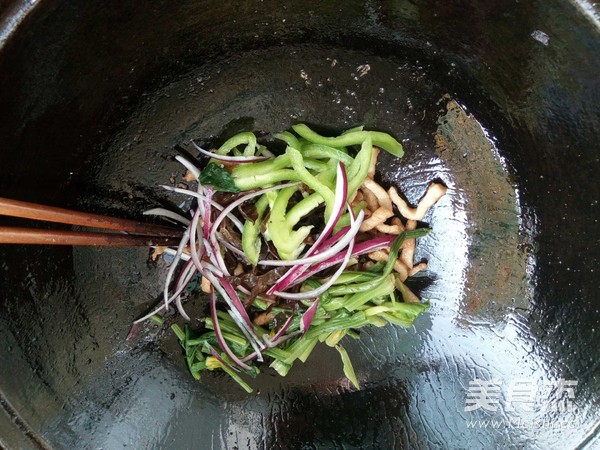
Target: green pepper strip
x=310 y=180
x=303 y=208
x=288 y=138
x=319 y=151
x=383 y=140
x=239 y=139
x=261 y=167
x=251 y=241
x=353 y=129
x=268 y=179
x=358 y=170
x=273 y=164
x=318 y=166
x=287 y=241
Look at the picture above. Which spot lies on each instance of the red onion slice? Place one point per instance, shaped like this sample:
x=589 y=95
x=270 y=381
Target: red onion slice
x=317 y=292
x=217 y=328
x=236 y=300
x=359 y=249
x=171 y=272
x=248 y=331
x=226 y=158
x=189 y=270
x=195 y=233
x=241 y=199
x=199 y=196
x=214 y=353
x=341 y=195
x=308 y=316
x=322 y=256
x=283 y=328
x=166 y=213
x=189 y=166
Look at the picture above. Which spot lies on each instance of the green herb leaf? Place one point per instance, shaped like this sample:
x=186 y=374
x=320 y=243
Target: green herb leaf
x=348 y=369
x=237 y=378
x=217 y=177
x=157 y=318
x=178 y=331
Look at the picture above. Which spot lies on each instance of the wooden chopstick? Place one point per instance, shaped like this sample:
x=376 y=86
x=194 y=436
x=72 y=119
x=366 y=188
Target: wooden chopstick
x=17 y=235
x=16 y=208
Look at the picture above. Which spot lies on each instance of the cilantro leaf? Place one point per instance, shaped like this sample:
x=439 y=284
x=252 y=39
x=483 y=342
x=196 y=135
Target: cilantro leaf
x=218 y=177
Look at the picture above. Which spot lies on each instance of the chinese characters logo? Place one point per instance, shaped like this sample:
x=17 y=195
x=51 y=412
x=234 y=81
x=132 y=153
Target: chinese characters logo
x=521 y=394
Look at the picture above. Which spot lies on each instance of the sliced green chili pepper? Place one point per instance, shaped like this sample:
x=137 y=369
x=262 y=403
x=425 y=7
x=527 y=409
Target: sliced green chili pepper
x=320 y=151
x=303 y=208
x=261 y=167
x=310 y=180
x=268 y=179
x=239 y=139
x=288 y=138
x=348 y=369
x=383 y=140
x=359 y=169
x=251 y=242
x=287 y=241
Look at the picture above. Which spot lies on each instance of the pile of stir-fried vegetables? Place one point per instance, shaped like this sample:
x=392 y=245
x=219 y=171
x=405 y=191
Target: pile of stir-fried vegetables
x=294 y=249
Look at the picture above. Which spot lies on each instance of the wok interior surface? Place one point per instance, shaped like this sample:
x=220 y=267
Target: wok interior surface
x=507 y=120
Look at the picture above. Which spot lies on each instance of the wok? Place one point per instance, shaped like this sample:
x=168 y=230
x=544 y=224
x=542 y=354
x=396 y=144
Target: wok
x=499 y=100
